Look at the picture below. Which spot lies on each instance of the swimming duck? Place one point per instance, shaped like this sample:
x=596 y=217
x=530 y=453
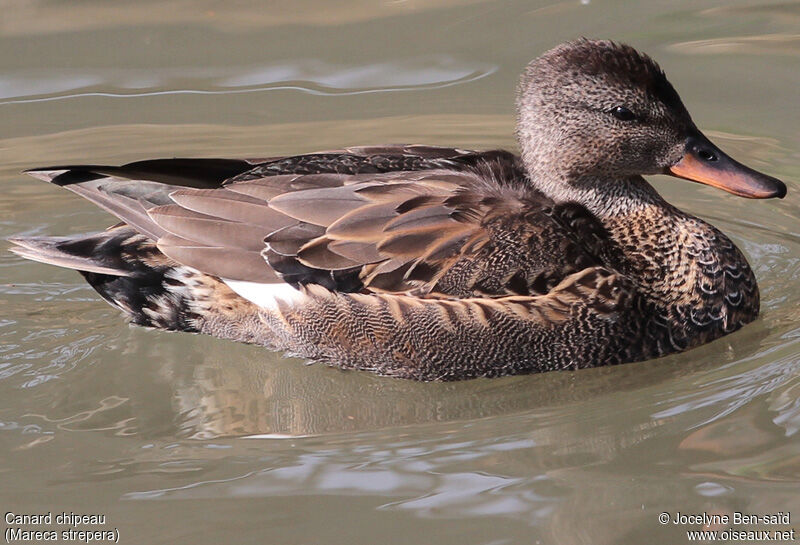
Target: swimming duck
x=437 y=263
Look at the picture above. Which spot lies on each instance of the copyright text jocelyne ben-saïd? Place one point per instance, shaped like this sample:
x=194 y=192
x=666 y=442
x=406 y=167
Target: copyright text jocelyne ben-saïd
x=59 y=526
x=736 y=526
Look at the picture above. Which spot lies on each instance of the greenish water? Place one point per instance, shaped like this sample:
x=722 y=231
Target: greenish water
x=185 y=439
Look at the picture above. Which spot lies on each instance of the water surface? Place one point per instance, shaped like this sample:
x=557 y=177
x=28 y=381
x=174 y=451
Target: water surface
x=101 y=418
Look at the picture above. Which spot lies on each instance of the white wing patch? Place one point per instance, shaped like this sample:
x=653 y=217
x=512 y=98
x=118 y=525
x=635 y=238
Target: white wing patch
x=266 y=296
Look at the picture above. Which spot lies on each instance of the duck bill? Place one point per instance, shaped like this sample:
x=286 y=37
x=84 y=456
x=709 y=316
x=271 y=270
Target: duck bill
x=707 y=164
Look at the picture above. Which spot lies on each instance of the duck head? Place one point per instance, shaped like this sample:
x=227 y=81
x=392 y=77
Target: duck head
x=595 y=115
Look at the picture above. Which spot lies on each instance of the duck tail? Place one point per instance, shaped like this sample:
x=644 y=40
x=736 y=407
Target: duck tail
x=126 y=269
x=129 y=271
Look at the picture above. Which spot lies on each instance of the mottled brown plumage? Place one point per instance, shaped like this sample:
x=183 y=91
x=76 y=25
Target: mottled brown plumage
x=437 y=263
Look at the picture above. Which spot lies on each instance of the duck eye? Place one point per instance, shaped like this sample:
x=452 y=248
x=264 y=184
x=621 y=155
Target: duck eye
x=623 y=114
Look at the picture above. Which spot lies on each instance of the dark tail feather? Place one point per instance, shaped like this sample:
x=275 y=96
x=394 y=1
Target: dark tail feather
x=66 y=252
x=125 y=268
x=129 y=191
x=124 y=265
x=197 y=173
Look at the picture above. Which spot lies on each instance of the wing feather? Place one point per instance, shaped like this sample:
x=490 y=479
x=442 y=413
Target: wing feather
x=206 y=229
x=396 y=231
x=360 y=252
x=319 y=206
x=364 y=224
x=317 y=255
x=389 y=218
x=231 y=206
x=227 y=262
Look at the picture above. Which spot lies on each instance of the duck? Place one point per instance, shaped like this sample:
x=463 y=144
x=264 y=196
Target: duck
x=439 y=263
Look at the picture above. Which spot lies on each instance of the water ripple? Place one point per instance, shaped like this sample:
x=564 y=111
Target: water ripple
x=767 y=44
x=305 y=75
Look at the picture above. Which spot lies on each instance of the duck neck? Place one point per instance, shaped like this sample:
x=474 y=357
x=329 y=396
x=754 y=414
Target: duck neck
x=607 y=200
x=681 y=263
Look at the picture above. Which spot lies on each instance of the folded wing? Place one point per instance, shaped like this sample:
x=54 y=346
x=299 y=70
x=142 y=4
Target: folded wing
x=393 y=219
x=392 y=232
